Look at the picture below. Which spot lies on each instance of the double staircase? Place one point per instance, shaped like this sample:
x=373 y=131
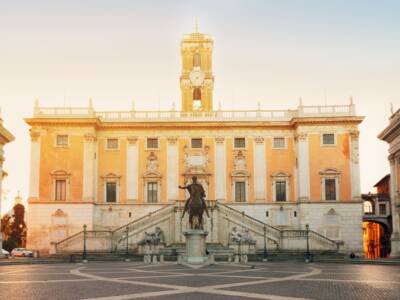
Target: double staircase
x=278 y=243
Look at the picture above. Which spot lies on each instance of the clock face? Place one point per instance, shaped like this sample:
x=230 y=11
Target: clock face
x=196 y=77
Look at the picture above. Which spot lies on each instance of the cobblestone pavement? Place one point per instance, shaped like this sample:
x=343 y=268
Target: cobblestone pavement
x=125 y=280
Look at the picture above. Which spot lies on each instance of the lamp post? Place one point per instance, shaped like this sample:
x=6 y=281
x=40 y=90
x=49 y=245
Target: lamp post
x=308 y=256
x=265 y=258
x=127 y=244
x=84 y=254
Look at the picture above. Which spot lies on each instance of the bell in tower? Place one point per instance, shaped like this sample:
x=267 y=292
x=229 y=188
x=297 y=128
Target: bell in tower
x=197 y=80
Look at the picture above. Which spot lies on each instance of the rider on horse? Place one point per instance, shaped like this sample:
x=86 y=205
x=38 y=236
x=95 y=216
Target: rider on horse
x=195 y=204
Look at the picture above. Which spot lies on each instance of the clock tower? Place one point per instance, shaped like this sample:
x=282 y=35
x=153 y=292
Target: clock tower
x=197 y=80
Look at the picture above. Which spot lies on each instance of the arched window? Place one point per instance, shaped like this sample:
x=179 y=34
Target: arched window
x=196 y=60
x=196 y=94
x=368 y=208
x=197 y=99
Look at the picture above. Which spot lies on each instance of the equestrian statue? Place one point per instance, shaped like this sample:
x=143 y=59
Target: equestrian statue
x=195 y=205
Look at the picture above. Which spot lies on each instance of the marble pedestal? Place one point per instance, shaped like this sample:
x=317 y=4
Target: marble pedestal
x=195 y=246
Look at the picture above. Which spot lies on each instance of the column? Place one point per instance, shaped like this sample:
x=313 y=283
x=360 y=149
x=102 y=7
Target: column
x=220 y=169
x=355 y=166
x=132 y=169
x=260 y=172
x=172 y=169
x=303 y=167
x=395 y=239
x=35 y=165
x=89 y=163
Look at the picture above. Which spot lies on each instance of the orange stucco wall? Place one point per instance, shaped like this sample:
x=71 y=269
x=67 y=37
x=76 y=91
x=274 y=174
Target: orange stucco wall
x=68 y=159
x=322 y=157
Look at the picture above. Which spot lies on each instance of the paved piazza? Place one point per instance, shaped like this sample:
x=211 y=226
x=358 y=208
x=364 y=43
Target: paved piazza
x=276 y=281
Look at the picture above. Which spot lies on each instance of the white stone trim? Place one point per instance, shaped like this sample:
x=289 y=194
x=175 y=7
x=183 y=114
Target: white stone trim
x=111 y=178
x=330 y=174
x=132 y=169
x=281 y=177
x=285 y=142
x=260 y=169
x=89 y=153
x=158 y=181
x=246 y=186
x=355 y=167
x=220 y=169
x=35 y=169
x=61 y=175
x=172 y=170
x=303 y=167
x=328 y=145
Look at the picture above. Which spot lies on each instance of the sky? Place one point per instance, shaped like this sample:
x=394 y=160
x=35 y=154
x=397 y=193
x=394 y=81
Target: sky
x=65 y=52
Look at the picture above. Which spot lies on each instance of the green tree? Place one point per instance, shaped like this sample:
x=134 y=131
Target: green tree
x=18 y=226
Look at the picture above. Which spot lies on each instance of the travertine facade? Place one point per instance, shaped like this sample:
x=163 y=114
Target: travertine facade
x=105 y=169
x=391 y=134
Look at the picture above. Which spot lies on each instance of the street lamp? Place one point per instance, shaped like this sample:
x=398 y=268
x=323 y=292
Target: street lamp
x=127 y=244
x=308 y=255
x=84 y=243
x=265 y=244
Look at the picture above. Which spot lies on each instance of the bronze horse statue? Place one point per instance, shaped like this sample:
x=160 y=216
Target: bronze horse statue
x=195 y=205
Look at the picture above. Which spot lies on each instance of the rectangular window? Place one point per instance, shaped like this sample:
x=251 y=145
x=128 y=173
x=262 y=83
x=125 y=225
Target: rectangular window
x=152 y=143
x=152 y=192
x=61 y=190
x=240 y=143
x=62 y=140
x=197 y=143
x=279 y=142
x=382 y=209
x=111 y=192
x=328 y=139
x=280 y=189
x=240 y=191
x=330 y=189
x=112 y=144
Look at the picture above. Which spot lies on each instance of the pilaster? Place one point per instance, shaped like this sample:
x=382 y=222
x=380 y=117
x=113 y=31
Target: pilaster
x=220 y=168
x=132 y=169
x=34 y=165
x=89 y=167
x=303 y=167
x=172 y=169
x=260 y=172
x=355 y=166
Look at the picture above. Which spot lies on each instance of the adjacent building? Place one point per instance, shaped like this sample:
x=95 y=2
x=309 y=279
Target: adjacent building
x=286 y=168
x=377 y=220
x=391 y=135
x=5 y=138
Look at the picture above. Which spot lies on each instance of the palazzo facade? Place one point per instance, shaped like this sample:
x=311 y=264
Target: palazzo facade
x=285 y=168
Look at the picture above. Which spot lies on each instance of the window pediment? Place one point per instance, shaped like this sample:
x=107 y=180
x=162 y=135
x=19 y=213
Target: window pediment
x=329 y=172
x=240 y=173
x=60 y=173
x=152 y=174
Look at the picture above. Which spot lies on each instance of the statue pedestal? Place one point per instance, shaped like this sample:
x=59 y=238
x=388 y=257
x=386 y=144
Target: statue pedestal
x=195 y=246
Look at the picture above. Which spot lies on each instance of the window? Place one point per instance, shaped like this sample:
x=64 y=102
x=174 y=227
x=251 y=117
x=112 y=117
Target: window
x=328 y=139
x=330 y=189
x=382 y=209
x=240 y=191
x=368 y=208
x=197 y=143
x=62 y=140
x=279 y=142
x=240 y=143
x=111 y=192
x=196 y=60
x=112 y=144
x=61 y=190
x=152 y=192
x=152 y=143
x=280 y=187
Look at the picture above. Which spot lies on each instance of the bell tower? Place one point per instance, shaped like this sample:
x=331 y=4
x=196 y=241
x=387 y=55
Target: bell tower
x=197 y=80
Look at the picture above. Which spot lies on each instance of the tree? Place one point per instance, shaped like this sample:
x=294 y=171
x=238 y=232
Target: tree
x=18 y=226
